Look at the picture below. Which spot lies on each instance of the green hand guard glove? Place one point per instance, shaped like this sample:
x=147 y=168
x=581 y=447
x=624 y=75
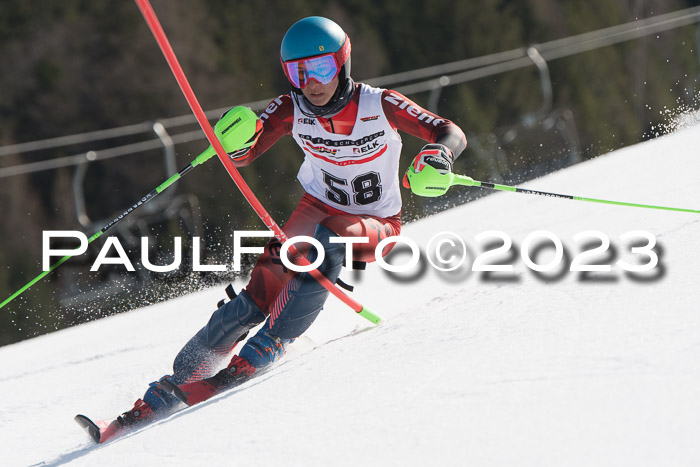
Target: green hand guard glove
x=430 y=183
x=238 y=130
x=433 y=182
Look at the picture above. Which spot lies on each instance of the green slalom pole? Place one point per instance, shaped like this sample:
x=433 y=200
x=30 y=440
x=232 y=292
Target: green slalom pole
x=430 y=183
x=159 y=189
x=234 y=130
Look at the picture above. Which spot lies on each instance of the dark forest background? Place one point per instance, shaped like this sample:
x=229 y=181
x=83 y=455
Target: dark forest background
x=75 y=66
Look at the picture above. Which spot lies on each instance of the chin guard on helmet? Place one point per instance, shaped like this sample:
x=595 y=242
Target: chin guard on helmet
x=339 y=100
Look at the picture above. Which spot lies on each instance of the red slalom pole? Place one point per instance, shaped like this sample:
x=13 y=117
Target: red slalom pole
x=157 y=30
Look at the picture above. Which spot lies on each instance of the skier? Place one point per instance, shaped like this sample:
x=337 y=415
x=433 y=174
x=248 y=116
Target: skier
x=348 y=133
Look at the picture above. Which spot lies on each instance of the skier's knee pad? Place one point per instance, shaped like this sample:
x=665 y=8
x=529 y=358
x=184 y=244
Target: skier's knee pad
x=303 y=297
x=232 y=320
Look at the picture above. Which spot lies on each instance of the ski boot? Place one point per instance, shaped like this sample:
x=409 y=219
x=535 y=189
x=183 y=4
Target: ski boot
x=260 y=351
x=237 y=372
x=156 y=403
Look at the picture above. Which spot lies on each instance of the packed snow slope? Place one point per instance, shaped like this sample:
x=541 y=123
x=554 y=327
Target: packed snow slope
x=468 y=368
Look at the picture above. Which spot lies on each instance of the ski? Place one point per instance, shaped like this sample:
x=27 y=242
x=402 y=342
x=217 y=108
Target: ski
x=204 y=389
x=190 y=393
x=194 y=392
x=100 y=431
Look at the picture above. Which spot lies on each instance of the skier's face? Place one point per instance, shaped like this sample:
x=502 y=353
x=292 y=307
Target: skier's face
x=319 y=94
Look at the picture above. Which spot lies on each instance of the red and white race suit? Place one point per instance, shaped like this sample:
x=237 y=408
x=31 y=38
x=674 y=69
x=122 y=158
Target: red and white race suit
x=350 y=172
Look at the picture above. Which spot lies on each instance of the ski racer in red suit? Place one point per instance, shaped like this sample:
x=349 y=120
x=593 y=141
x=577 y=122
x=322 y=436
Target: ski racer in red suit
x=348 y=133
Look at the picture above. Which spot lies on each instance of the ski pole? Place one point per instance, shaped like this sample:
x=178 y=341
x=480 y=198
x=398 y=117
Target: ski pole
x=159 y=189
x=165 y=47
x=433 y=184
x=236 y=129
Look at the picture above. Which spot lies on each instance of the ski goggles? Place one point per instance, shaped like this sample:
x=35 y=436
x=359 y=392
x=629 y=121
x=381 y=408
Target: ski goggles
x=322 y=68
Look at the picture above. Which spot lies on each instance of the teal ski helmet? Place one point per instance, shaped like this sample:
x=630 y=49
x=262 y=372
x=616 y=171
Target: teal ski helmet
x=316 y=48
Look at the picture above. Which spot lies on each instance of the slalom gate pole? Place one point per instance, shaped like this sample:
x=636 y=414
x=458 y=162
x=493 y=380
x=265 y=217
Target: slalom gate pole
x=468 y=181
x=162 y=40
x=159 y=189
